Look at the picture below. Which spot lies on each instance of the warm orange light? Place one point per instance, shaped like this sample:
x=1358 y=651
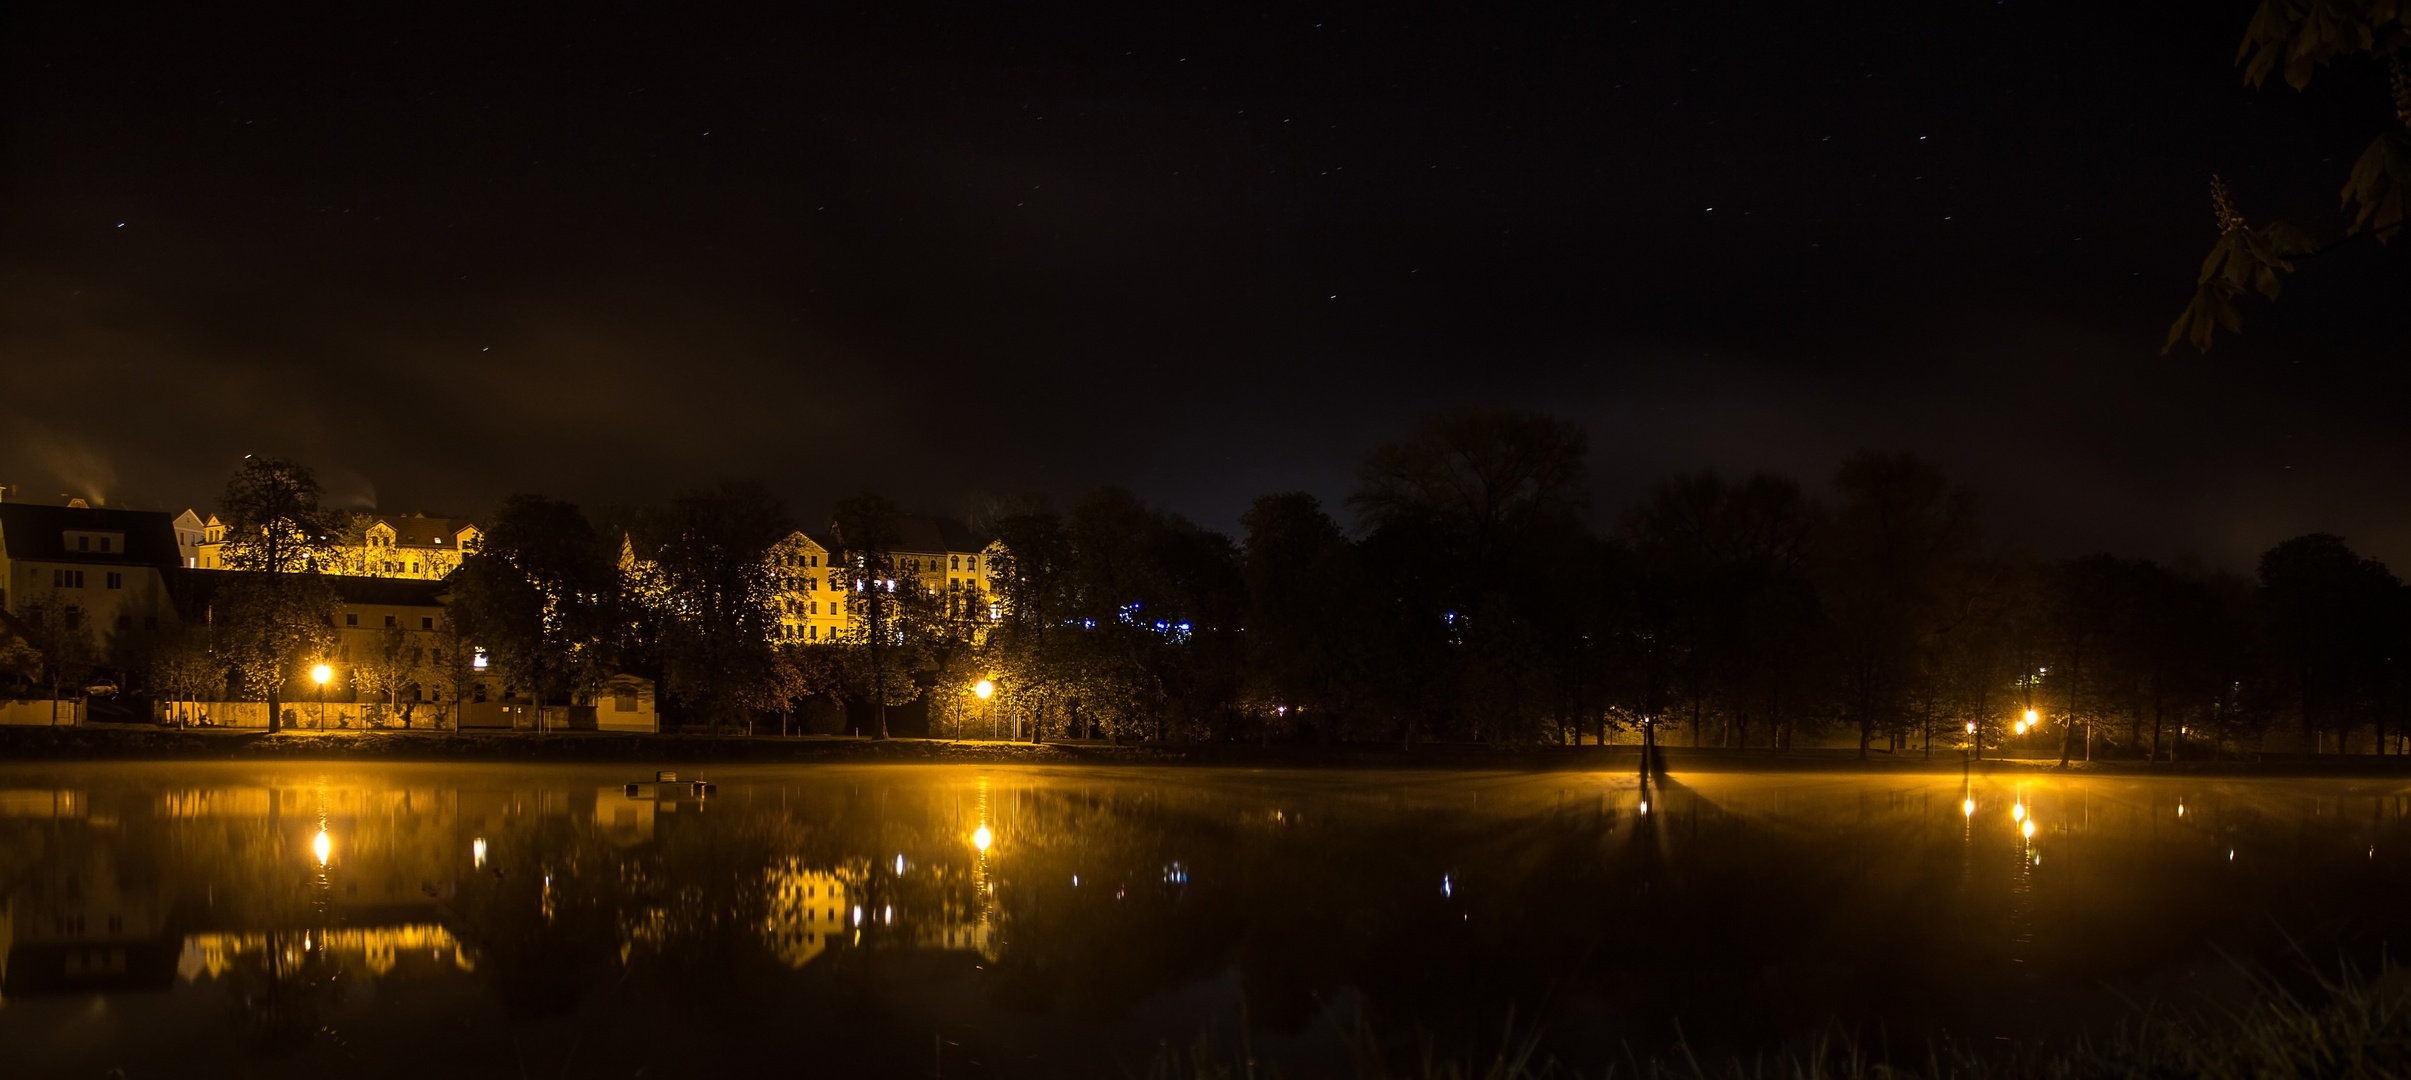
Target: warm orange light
x=2032 y=718
x=984 y=690
x=981 y=838
x=2018 y=812
x=323 y=847
x=321 y=674
x=1968 y=808
x=2029 y=830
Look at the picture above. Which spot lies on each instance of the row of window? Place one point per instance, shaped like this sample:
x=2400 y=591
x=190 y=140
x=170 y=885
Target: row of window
x=792 y=632
x=74 y=579
x=353 y=619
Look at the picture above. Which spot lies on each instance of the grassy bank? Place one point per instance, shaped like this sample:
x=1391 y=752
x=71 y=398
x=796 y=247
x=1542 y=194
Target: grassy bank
x=2352 y=1029
x=132 y=742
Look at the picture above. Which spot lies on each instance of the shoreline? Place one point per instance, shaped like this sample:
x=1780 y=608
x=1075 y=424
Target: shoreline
x=108 y=742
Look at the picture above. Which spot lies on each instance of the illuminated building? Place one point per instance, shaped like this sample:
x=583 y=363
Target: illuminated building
x=94 y=571
x=373 y=545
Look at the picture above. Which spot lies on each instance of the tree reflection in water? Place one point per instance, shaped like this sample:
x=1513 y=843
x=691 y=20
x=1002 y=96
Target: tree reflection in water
x=283 y=993
x=856 y=912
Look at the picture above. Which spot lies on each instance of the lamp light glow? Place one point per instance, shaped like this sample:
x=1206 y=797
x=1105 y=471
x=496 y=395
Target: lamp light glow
x=981 y=837
x=321 y=673
x=323 y=847
x=983 y=690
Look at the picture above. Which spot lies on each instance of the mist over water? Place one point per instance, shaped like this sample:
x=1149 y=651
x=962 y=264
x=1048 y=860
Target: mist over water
x=223 y=919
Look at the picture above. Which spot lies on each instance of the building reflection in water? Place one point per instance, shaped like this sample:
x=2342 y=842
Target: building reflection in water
x=287 y=896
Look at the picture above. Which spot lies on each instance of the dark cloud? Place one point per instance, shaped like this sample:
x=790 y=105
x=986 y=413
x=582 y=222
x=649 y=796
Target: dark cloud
x=954 y=252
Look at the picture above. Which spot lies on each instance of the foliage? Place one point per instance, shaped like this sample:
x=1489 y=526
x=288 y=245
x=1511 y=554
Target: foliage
x=711 y=549
x=540 y=596
x=273 y=521
x=2297 y=37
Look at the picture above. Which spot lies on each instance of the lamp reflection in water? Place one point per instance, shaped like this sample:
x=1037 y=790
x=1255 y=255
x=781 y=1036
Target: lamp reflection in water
x=477 y=852
x=981 y=837
x=323 y=847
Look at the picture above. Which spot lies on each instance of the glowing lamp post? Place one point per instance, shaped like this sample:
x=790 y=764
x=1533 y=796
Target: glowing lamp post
x=983 y=690
x=320 y=674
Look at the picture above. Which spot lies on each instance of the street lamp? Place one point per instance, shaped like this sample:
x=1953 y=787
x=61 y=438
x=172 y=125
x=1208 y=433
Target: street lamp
x=320 y=674
x=983 y=690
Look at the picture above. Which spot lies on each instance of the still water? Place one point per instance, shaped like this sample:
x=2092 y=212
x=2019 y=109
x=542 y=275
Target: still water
x=337 y=920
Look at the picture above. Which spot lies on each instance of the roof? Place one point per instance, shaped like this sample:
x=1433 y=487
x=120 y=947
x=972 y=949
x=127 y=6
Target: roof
x=934 y=534
x=195 y=588
x=419 y=531
x=35 y=531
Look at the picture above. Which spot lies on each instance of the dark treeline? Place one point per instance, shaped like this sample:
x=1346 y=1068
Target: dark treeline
x=1475 y=598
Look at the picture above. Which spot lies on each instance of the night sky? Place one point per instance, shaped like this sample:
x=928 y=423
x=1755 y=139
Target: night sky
x=956 y=252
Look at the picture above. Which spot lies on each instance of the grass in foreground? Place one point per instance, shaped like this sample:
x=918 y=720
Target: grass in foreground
x=2348 y=1029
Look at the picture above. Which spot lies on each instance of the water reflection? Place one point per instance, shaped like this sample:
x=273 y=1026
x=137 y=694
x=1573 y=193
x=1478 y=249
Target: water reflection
x=459 y=918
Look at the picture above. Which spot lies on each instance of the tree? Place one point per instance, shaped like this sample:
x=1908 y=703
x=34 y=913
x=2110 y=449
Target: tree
x=393 y=662
x=1032 y=583
x=68 y=656
x=1891 y=579
x=866 y=527
x=2297 y=37
x=1304 y=610
x=2334 y=620
x=186 y=668
x=797 y=670
x=712 y=550
x=271 y=617
x=1468 y=518
x=538 y=597
x=1725 y=594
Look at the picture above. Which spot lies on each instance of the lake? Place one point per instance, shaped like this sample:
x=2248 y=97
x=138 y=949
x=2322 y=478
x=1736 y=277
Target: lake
x=199 y=919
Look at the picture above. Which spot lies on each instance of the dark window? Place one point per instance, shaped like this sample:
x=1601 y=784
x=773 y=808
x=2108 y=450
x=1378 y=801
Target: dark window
x=351 y=620
x=116 y=580
x=389 y=622
x=623 y=700
x=104 y=543
x=426 y=624
x=75 y=617
x=83 y=543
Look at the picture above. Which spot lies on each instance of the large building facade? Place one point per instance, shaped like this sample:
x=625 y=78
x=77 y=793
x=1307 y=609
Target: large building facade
x=411 y=546
x=939 y=556
x=95 y=571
